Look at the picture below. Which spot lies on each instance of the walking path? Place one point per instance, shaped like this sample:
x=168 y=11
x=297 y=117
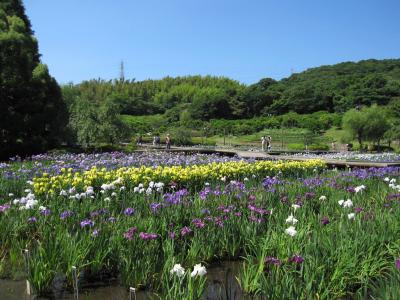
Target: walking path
x=267 y=156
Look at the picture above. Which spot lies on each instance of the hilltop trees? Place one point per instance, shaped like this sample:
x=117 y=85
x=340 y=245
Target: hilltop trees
x=336 y=88
x=32 y=113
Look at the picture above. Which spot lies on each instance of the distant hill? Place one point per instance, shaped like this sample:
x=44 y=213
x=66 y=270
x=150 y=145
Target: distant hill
x=338 y=87
x=334 y=88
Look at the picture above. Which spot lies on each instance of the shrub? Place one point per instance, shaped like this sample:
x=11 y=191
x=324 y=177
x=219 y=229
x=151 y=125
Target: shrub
x=380 y=148
x=243 y=129
x=132 y=146
x=297 y=147
x=318 y=146
x=181 y=137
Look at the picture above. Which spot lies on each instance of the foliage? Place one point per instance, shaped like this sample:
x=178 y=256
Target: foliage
x=296 y=147
x=144 y=124
x=96 y=122
x=368 y=123
x=336 y=88
x=318 y=146
x=32 y=113
x=377 y=124
x=181 y=137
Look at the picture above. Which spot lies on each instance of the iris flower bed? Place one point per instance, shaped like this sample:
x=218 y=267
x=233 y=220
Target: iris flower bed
x=300 y=231
x=189 y=176
x=354 y=156
x=53 y=164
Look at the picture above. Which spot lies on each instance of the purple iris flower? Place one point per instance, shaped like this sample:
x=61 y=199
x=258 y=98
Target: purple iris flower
x=99 y=212
x=155 y=207
x=129 y=234
x=297 y=259
x=325 y=221
x=272 y=260
x=255 y=219
x=148 y=236
x=309 y=195
x=32 y=220
x=358 y=209
x=205 y=211
x=45 y=212
x=87 y=222
x=129 y=211
x=185 y=230
x=217 y=192
x=198 y=223
x=285 y=200
x=398 y=263
x=66 y=214
x=219 y=222
x=4 y=207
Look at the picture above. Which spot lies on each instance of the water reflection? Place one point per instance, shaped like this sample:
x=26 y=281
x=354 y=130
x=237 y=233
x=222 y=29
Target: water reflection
x=222 y=285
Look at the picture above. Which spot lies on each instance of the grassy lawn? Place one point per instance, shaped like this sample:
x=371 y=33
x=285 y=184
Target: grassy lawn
x=279 y=137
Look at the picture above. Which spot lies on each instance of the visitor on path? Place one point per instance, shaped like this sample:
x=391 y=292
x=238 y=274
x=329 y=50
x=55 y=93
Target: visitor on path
x=154 y=141
x=333 y=146
x=263 y=143
x=139 y=140
x=158 y=140
x=269 y=143
x=168 y=142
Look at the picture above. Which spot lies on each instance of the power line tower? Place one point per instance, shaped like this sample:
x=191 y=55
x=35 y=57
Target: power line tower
x=121 y=70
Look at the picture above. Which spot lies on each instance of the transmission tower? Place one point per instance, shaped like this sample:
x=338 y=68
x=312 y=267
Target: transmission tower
x=122 y=73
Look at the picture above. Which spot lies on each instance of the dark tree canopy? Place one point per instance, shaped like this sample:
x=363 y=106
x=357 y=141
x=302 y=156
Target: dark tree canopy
x=32 y=112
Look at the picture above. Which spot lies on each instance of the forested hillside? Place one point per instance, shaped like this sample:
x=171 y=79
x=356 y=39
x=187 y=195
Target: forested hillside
x=335 y=88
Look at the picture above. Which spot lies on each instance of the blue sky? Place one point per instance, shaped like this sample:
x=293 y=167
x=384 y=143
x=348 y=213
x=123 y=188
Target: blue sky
x=244 y=40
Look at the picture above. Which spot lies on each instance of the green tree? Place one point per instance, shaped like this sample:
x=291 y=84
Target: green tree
x=257 y=96
x=111 y=128
x=84 y=121
x=376 y=123
x=97 y=122
x=210 y=103
x=32 y=112
x=369 y=123
x=354 y=122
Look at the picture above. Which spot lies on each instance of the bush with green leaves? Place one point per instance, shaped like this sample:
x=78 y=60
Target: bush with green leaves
x=181 y=136
x=366 y=124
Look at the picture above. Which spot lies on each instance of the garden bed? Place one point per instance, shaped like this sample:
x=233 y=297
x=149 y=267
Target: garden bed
x=294 y=229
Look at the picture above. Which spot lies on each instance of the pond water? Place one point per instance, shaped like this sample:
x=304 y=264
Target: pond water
x=222 y=285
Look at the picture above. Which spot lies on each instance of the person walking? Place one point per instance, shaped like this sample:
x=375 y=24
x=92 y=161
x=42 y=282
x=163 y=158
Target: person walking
x=139 y=140
x=168 y=142
x=333 y=146
x=263 y=143
x=269 y=143
x=158 y=140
